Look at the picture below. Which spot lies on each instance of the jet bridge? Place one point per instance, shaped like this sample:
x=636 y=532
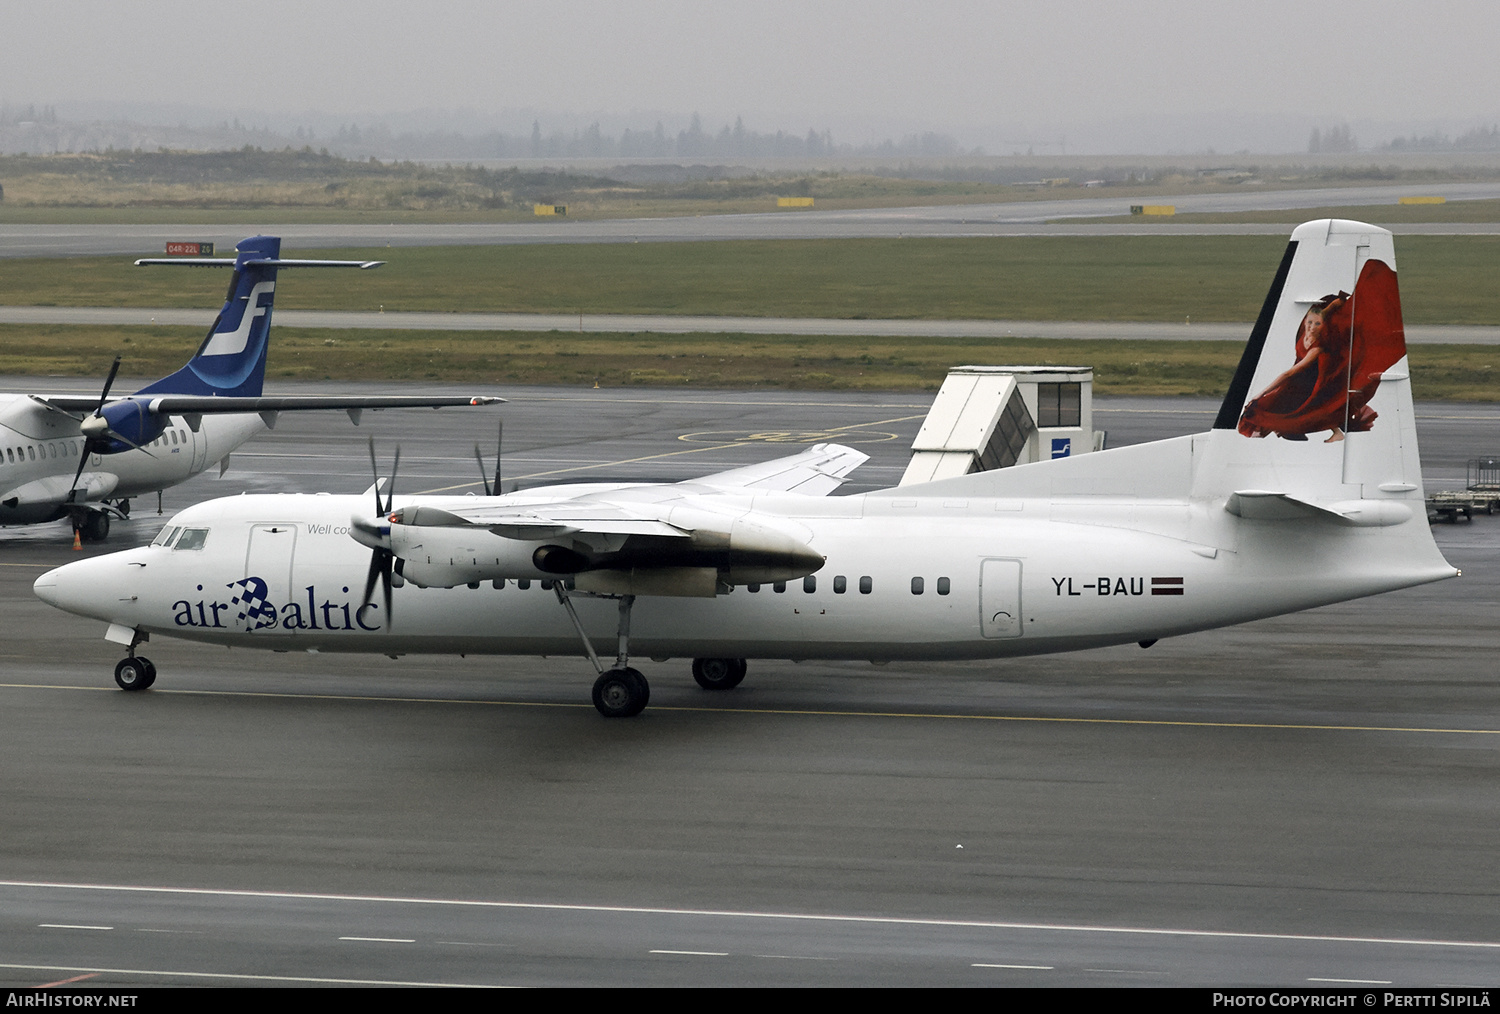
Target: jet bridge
x=987 y=417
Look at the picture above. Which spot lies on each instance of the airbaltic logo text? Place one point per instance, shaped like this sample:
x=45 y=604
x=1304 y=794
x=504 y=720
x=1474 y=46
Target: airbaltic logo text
x=250 y=609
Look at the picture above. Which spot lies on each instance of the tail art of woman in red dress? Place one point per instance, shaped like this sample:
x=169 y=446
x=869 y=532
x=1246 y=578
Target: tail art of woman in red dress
x=1343 y=346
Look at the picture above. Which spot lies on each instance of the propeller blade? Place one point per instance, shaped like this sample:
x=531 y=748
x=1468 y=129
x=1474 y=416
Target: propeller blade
x=483 y=476
x=83 y=459
x=375 y=472
x=370 y=575
x=385 y=584
x=390 y=495
x=108 y=383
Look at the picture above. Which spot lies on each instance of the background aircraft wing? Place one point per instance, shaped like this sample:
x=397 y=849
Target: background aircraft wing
x=193 y=404
x=817 y=471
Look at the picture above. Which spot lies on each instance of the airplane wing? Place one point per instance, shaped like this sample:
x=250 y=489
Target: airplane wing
x=192 y=404
x=817 y=471
x=546 y=520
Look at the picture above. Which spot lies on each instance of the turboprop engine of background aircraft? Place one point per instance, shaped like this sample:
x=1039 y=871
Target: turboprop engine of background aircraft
x=1307 y=491
x=85 y=457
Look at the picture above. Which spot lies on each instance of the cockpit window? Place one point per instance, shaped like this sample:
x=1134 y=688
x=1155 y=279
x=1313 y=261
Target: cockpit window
x=192 y=538
x=167 y=535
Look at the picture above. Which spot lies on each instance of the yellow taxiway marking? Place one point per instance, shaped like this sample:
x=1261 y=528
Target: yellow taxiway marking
x=808 y=712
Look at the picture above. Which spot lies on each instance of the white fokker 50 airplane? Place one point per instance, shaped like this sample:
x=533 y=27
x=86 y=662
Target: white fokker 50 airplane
x=84 y=457
x=1307 y=491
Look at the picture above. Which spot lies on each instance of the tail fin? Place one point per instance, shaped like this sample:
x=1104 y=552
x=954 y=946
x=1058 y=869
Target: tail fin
x=231 y=362
x=1321 y=403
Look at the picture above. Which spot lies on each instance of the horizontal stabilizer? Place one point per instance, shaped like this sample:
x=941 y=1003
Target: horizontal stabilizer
x=257 y=262
x=1261 y=505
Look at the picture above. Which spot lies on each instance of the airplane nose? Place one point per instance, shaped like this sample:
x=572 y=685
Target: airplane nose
x=86 y=587
x=45 y=586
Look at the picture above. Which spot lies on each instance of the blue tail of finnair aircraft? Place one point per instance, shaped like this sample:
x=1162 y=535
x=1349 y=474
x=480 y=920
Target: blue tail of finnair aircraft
x=231 y=362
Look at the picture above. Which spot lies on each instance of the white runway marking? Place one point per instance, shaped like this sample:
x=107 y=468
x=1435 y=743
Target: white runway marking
x=865 y=920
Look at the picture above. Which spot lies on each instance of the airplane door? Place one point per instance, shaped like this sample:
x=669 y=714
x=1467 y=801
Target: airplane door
x=1000 y=598
x=200 y=448
x=268 y=559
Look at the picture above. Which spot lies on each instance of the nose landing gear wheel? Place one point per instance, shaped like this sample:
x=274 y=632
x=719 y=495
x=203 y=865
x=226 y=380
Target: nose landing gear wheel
x=719 y=673
x=135 y=673
x=621 y=693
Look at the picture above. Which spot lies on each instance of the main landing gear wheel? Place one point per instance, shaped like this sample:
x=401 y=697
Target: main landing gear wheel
x=719 y=673
x=621 y=693
x=94 y=527
x=135 y=673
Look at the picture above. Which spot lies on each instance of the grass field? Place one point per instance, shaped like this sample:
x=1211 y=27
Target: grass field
x=493 y=360
x=1444 y=279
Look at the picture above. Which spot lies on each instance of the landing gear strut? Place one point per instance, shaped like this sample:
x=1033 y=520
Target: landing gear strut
x=719 y=673
x=619 y=692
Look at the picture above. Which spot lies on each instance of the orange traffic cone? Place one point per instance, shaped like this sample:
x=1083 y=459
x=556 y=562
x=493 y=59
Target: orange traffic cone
x=77 y=542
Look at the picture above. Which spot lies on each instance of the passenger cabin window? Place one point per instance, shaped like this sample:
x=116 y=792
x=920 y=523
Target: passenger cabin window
x=943 y=586
x=865 y=585
x=809 y=584
x=192 y=538
x=916 y=586
x=752 y=588
x=840 y=585
x=779 y=587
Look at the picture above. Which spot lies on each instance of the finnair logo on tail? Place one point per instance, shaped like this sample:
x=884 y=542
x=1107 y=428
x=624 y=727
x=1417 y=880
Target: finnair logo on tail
x=232 y=343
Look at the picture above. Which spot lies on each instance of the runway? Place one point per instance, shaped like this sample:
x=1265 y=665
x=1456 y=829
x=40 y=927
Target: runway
x=1017 y=218
x=601 y=323
x=1291 y=802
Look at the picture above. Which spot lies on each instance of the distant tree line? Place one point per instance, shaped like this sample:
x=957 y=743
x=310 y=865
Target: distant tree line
x=1340 y=138
x=695 y=142
x=1478 y=139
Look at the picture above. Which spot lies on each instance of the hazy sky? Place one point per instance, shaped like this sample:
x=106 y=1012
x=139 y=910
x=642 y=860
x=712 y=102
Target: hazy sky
x=974 y=69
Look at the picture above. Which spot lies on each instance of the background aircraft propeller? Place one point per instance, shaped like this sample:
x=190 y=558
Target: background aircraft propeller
x=94 y=428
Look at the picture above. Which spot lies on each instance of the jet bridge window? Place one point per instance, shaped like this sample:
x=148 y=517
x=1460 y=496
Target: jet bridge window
x=1059 y=404
x=192 y=538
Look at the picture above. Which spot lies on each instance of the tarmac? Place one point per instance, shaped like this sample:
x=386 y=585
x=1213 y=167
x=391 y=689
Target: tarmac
x=1296 y=801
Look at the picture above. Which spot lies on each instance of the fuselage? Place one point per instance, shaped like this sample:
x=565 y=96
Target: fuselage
x=39 y=451
x=904 y=578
